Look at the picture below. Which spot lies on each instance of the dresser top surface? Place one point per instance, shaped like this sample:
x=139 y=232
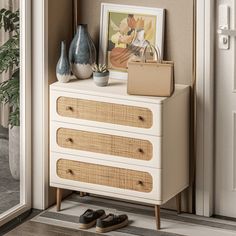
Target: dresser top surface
x=115 y=89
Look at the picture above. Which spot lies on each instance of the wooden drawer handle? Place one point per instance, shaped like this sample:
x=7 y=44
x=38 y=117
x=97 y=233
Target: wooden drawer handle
x=69 y=140
x=69 y=171
x=140 y=118
x=140 y=150
x=69 y=108
x=140 y=182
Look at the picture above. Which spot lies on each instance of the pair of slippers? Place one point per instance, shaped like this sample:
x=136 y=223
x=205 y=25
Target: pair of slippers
x=104 y=223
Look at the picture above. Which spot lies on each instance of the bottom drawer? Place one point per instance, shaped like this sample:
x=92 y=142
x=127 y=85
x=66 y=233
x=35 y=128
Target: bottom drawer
x=104 y=176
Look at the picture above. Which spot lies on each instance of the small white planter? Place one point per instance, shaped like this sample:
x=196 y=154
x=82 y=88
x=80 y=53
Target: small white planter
x=101 y=79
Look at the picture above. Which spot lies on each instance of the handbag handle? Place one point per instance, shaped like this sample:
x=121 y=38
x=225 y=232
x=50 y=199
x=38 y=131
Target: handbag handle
x=156 y=50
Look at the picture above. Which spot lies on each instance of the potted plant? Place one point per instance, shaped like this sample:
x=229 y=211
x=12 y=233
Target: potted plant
x=10 y=89
x=100 y=74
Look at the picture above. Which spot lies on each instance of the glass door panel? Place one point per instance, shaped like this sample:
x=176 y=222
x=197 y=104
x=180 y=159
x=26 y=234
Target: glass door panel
x=14 y=110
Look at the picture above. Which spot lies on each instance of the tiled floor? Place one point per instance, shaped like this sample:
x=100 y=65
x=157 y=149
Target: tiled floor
x=37 y=229
x=9 y=188
x=142 y=219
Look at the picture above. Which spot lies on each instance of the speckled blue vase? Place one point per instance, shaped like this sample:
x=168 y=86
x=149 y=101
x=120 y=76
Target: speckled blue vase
x=63 y=66
x=82 y=53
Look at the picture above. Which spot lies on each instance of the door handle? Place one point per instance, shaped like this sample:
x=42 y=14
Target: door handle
x=224 y=27
x=227 y=32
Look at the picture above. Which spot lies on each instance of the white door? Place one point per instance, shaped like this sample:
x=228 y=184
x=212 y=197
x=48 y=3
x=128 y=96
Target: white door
x=225 y=111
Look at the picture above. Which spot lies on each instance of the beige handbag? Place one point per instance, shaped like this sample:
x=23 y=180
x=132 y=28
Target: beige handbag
x=151 y=78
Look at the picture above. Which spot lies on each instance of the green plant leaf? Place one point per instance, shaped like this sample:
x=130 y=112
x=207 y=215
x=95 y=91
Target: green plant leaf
x=9 y=20
x=10 y=61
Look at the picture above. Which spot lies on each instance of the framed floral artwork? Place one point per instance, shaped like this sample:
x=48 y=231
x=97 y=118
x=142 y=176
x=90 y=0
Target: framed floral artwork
x=125 y=31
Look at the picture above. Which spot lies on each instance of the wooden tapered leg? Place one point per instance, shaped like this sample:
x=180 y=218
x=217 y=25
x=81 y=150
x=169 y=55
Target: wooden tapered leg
x=158 y=216
x=83 y=194
x=178 y=203
x=59 y=197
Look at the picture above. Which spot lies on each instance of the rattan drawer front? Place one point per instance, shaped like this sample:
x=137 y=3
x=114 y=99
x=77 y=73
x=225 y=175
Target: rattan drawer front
x=105 y=144
x=105 y=112
x=105 y=175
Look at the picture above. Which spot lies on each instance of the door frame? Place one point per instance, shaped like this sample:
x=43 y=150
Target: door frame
x=25 y=115
x=40 y=94
x=204 y=105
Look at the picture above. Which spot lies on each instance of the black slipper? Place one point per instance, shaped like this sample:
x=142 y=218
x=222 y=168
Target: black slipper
x=89 y=217
x=111 y=222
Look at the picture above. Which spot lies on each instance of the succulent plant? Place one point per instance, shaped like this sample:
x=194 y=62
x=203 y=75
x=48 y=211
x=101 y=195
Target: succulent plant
x=100 y=68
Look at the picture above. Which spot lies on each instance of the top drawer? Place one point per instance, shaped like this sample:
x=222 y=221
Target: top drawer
x=106 y=112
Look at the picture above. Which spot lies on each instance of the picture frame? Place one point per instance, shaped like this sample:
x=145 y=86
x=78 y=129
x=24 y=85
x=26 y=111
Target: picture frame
x=124 y=32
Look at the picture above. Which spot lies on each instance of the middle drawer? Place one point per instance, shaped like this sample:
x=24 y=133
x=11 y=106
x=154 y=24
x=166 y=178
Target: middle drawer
x=104 y=144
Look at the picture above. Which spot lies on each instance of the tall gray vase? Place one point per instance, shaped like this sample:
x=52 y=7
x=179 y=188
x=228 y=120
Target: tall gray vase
x=63 y=66
x=82 y=53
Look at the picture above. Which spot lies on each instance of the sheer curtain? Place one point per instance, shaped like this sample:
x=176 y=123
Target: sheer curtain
x=12 y=5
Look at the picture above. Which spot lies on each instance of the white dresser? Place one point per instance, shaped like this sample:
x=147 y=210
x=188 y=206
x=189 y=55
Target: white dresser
x=106 y=142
